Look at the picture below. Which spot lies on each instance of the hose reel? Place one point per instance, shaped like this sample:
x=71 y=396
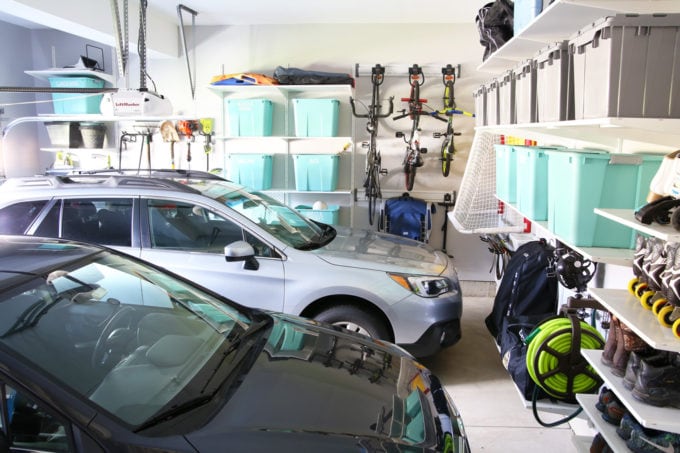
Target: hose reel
x=554 y=359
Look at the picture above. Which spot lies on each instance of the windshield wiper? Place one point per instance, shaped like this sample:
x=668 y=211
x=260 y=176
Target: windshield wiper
x=174 y=411
x=206 y=397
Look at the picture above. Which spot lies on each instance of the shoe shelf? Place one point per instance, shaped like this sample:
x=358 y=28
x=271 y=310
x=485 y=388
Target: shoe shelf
x=607 y=430
x=628 y=309
x=661 y=418
x=627 y=217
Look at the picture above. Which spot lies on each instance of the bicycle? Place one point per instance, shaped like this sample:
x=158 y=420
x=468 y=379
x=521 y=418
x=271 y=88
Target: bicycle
x=373 y=159
x=413 y=158
x=448 y=148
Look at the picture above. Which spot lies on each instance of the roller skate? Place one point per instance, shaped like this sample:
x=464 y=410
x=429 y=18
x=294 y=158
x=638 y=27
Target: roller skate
x=669 y=312
x=652 y=269
x=641 y=251
x=647 y=252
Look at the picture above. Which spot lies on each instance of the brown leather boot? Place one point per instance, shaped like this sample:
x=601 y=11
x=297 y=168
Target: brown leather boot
x=630 y=341
x=610 y=345
x=621 y=355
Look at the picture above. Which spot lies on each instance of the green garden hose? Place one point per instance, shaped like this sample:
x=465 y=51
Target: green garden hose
x=554 y=358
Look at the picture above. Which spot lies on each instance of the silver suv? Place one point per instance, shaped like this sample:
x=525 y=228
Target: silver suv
x=252 y=249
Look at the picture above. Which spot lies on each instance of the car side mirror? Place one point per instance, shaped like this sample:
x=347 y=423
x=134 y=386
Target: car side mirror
x=242 y=251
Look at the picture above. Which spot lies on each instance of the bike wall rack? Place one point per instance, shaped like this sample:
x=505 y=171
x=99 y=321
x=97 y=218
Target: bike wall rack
x=401 y=70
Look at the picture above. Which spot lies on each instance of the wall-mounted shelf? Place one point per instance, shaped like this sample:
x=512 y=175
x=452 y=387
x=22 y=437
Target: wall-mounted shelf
x=620 y=257
x=608 y=431
x=661 y=418
x=561 y=20
x=643 y=322
x=45 y=74
x=664 y=133
x=627 y=217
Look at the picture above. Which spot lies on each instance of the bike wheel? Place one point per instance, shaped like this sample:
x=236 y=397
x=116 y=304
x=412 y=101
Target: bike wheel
x=446 y=157
x=372 y=194
x=409 y=176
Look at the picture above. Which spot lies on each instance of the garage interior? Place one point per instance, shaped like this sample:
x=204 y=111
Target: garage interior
x=350 y=38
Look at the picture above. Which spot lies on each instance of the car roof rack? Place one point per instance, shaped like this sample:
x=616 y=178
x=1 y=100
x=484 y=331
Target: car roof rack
x=153 y=173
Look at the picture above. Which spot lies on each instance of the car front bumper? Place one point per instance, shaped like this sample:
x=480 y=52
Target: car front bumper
x=435 y=338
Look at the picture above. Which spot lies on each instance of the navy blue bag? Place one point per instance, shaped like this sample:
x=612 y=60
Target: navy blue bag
x=408 y=217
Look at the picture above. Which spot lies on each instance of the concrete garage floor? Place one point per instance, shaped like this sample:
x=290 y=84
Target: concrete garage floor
x=493 y=411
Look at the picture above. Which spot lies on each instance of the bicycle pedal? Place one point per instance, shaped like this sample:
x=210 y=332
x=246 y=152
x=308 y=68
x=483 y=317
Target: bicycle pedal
x=457 y=133
x=437 y=135
x=364 y=144
x=383 y=171
x=423 y=150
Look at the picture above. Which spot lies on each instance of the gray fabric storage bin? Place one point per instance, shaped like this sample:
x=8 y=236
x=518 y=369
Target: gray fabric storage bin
x=554 y=99
x=506 y=98
x=627 y=65
x=480 y=105
x=525 y=92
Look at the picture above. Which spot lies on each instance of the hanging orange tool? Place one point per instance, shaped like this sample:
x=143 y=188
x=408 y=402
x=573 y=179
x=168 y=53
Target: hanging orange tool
x=187 y=128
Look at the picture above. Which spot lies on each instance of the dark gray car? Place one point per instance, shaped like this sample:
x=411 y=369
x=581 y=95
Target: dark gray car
x=101 y=352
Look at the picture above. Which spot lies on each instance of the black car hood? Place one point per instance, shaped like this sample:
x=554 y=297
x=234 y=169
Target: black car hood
x=315 y=388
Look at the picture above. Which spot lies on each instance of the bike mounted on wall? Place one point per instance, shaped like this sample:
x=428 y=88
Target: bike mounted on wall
x=413 y=158
x=373 y=159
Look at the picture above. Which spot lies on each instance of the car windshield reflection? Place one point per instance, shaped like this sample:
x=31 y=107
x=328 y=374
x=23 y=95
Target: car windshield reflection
x=276 y=218
x=120 y=334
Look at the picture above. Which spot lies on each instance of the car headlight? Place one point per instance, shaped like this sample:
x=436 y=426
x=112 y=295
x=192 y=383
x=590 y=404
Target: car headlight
x=424 y=286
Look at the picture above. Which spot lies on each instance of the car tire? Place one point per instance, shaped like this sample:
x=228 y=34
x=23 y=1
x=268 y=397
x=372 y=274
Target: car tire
x=355 y=320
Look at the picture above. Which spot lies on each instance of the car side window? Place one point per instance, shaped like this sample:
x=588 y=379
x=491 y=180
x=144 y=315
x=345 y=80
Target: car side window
x=105 y=221
x=185 y=226
x=16 y=218
x=30 y=426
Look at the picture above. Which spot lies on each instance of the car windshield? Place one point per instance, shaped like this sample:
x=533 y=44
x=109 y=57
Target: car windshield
x=278 y=219
x=129 y=338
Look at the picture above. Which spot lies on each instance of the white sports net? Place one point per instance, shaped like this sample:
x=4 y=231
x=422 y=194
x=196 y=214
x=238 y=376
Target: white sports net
x=477 y=208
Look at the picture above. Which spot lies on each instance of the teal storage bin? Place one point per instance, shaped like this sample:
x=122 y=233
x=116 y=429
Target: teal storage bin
x=506 y=173
x=316 y=172
x=532 y=181
x=251 y=170
x=76 y=103
x=328 y=216
x=250 y=117
x=316 y=117
x=581 y=180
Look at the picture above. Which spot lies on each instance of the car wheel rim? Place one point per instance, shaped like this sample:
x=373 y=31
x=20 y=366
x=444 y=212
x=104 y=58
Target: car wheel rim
x=353 y=327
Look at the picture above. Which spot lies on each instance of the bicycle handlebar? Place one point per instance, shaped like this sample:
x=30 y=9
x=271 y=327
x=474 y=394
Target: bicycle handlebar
x=368 y=114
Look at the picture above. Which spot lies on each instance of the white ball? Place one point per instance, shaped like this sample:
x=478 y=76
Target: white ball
x=319 y=205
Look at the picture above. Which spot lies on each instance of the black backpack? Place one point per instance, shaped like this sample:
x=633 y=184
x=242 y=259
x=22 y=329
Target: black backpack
x=528 y=287
x=527 y=295
x=495 y=25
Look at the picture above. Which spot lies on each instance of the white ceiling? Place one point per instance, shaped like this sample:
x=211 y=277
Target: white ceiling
x=223 y=12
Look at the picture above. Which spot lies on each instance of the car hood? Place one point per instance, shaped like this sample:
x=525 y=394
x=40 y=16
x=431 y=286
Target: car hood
x=318 y=388
x=381 y=251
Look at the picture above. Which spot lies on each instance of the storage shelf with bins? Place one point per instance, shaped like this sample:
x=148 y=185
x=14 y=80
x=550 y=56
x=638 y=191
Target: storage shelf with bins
x=121 y=124
x=283 y=143
x=558 y=22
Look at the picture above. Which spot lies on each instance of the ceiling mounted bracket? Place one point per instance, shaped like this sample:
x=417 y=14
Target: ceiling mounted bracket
x=192 y=74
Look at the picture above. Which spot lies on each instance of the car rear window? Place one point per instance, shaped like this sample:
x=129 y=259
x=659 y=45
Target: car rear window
x=16 y=219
